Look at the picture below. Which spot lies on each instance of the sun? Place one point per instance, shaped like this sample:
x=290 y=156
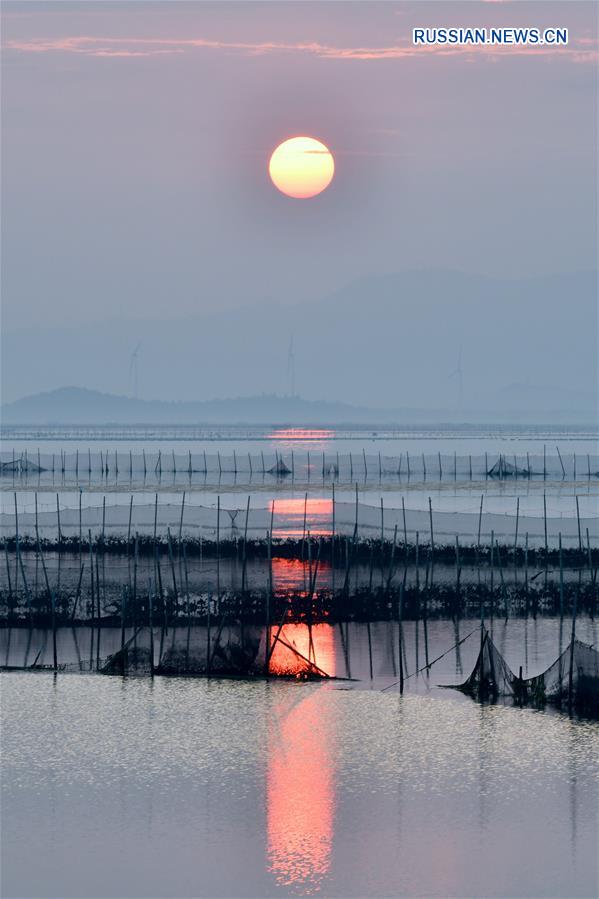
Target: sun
x=301 y=167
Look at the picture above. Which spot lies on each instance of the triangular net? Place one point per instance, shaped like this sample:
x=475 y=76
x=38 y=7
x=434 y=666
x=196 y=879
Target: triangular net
x=491 y=675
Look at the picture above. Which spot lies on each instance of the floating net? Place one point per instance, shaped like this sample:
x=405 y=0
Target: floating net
x=116 y=465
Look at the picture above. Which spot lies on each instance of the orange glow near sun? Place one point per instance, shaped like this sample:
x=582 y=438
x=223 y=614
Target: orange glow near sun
x=301 y=167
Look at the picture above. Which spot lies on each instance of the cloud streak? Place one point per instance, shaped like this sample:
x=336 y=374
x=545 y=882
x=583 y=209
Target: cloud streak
x=580 y=51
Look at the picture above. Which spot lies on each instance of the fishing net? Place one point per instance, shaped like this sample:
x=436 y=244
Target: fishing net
x=573 y=677
x=294 y=518
x=304 y=466
x=491 y=675
x=554 y=683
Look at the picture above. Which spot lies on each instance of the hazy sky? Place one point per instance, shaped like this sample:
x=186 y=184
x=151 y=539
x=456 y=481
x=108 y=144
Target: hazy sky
x=136 y=139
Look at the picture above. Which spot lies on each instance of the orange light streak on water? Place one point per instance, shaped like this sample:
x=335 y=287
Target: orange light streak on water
x=300 y=798
x=293 y=575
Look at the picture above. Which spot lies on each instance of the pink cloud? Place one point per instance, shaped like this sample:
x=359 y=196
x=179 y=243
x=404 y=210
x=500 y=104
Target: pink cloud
x=581 y=50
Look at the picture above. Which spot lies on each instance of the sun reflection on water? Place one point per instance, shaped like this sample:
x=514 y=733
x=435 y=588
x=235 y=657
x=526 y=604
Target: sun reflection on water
x=290 y=437
x=300 y=791
x=290 y=514
x=300 y=642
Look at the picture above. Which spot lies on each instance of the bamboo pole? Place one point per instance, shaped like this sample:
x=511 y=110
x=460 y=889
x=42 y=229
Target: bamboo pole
x=572 y=643
x=392 y=559
x=99 y=625
x=52 y=607
x=561 y=578
x=382 y=543
x=135 y=564
x=123 y=612
x=245 y=540
x=217 y=554
x=561 y=462
x=545 y=524
x=503 y=590
x=590 y=558
x=304 y=524
x=400 y=638
x=526 y=569
x=78 y=591
x=8 y=570
x=268 y=606
x=151 y=624
x=25 y=584
x=161 y=593
x=172 y=565
x=480 y=520
x=17 y=547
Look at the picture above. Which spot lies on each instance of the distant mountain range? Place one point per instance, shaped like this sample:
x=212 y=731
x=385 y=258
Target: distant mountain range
x=457 y=345
x=76 y=405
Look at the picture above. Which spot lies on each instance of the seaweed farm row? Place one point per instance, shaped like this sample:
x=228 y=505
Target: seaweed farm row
x=316 y=580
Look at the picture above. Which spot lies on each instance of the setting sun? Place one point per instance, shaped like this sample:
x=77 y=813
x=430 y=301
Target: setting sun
x=301 y=167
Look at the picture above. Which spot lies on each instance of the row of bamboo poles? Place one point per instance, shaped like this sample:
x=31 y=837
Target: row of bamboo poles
x=316 y=463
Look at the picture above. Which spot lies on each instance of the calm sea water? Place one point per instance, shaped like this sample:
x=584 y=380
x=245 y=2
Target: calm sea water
x=189 y=788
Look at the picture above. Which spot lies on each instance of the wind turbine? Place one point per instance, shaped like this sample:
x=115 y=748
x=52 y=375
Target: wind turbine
x=457 y=372
x=291 y=367
x=133 y=371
